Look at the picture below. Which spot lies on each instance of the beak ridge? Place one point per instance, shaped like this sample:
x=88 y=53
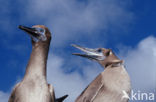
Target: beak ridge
x=89 y=53
x=29 y=30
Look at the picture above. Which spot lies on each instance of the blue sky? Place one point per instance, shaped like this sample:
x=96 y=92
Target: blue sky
x=126 y=26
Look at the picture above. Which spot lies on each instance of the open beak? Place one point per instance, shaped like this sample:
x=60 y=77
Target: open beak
x=31 y=31
x=92 y=54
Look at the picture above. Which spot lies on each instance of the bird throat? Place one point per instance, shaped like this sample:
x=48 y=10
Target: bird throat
x=36 y=67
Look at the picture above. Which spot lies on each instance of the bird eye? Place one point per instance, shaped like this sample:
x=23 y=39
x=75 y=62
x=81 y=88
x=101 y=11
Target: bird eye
x=99 y=50
x=41 y=30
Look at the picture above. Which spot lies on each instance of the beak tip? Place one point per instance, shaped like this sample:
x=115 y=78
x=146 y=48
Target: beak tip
x=73 y=53
x=73 y=45
x=76 y=54
x=76 y=46
x=20 y=27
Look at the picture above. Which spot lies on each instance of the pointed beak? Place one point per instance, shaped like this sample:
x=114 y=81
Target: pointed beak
x=93 y=54
x=31 y=31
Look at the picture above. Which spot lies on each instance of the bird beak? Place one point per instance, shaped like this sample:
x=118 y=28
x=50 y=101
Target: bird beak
x=31 y=31
x=92 y=54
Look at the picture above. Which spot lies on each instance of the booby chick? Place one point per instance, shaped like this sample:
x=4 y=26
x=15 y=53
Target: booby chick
x=34 y=86
x=111 y=85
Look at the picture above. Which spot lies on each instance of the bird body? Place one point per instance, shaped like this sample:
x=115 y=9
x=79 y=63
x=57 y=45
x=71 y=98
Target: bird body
x=107 y=86
x=112 y=84
x=26 y=92
x=34 y=86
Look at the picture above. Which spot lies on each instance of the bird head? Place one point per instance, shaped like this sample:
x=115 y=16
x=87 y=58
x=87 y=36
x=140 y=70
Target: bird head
x=102 y=55
x=38 y=33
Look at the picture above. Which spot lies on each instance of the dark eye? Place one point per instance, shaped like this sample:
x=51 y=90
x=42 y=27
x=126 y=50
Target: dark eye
x=41 y=30
x=99 y=50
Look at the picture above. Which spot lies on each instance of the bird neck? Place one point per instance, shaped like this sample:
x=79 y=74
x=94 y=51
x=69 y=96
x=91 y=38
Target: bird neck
x=111 y=60
x=36 y=67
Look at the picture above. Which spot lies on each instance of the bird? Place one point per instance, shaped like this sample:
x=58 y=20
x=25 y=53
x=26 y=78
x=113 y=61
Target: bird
x=111 y=85
x=34 y=86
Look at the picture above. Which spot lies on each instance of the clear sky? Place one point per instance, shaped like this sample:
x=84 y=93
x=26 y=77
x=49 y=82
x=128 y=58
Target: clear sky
x=125 y=26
